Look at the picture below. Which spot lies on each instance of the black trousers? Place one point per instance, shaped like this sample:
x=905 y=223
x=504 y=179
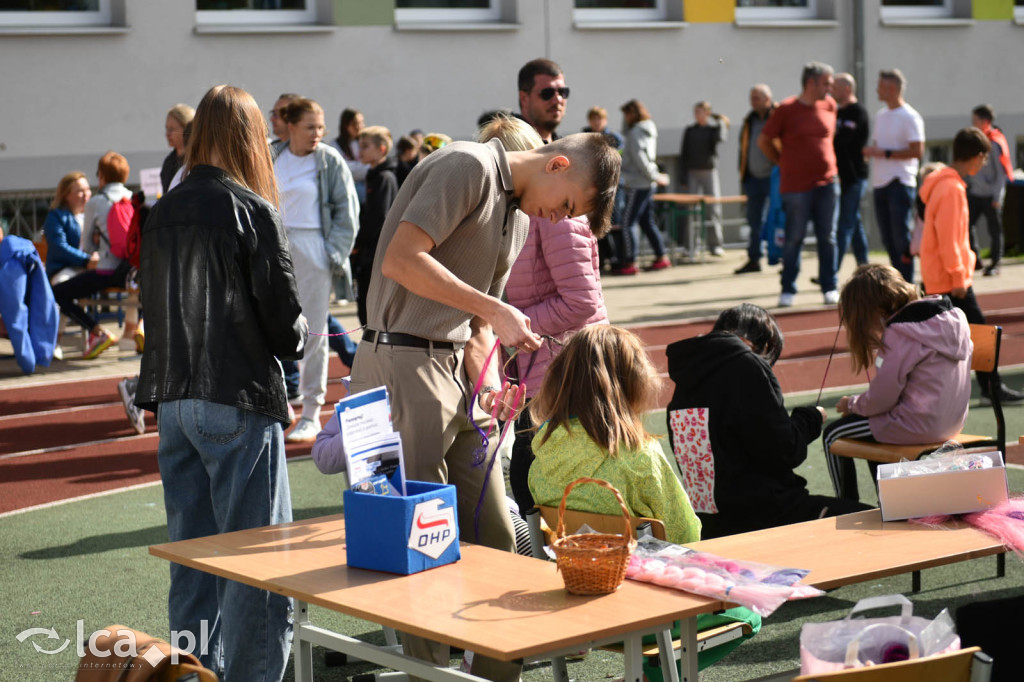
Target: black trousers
x=84 y=285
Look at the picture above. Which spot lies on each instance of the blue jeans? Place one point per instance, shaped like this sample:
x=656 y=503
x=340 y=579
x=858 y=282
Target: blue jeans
x=223 y=469
x=819 y=206
x=757 y=191
x=850 y=228
x=893 y=204
x=639 y=208
x=344 y=346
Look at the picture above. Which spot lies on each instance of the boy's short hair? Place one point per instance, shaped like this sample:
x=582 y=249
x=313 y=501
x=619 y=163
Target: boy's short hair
x=985 y=112
x=894 y=75
x=405 y=144
x=595 y=155
x=532 y=68
x=597 y=112
x=113 y=167
x=378 y=135
x=968 y=143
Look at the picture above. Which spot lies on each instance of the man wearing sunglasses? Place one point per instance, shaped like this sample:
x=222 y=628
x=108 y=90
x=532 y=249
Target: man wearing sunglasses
x=542 y=96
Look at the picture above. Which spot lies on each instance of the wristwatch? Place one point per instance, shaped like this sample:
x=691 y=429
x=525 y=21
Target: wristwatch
x=888 y=153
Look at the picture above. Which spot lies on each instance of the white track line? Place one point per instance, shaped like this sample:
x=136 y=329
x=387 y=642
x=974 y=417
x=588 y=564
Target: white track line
x=62 y=410
x=57 y=503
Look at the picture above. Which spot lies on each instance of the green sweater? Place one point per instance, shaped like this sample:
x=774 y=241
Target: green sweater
x=645 y=478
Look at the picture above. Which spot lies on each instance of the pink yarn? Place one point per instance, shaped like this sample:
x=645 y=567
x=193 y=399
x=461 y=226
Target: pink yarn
x=1005 y=522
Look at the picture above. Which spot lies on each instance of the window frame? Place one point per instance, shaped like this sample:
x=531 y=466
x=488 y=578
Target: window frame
x=943 y=11
x=258 y=17
x=748 y=14
x=1018 y=11
x=620 y=15
x=102 y=16
x=453 y=15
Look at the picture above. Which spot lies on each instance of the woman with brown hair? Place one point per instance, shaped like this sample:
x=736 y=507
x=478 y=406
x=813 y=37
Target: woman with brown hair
x=178 y=118
x=221 y=308
x=640 y=174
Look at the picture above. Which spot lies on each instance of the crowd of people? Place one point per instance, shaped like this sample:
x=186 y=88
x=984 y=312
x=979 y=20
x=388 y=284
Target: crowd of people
x=452 y=249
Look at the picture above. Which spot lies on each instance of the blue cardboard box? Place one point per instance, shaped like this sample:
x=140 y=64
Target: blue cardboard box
x=402 y=534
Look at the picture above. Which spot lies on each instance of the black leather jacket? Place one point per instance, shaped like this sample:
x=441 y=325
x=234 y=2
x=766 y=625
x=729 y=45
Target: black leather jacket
x=220 y=298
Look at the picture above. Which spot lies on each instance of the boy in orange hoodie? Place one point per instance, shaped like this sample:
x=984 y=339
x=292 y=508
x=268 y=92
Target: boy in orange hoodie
x=947 y=262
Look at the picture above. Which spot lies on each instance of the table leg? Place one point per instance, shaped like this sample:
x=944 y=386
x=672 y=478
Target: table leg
x=302 y=647
x=633 y=651
x=666 y=654
x=688 y=649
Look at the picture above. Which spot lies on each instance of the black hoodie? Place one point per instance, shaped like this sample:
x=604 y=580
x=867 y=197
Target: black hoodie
x=755 y=443
x=381 y=188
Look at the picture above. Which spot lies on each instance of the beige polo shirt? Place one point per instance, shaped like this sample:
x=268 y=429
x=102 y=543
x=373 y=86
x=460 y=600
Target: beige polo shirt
x=461 y=195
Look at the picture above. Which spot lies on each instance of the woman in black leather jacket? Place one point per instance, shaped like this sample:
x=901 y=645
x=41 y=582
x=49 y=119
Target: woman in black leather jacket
x=221 y=308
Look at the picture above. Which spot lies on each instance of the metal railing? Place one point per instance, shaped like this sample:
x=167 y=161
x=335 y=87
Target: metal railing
x=23 y=213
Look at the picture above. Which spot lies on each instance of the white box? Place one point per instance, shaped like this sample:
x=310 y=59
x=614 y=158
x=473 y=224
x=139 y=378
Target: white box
x=947 y=492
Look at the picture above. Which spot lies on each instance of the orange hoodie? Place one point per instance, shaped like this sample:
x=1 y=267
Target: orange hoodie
x=947 y=261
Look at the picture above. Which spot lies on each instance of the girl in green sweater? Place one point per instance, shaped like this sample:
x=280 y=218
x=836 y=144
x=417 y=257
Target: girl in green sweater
x=590 y=410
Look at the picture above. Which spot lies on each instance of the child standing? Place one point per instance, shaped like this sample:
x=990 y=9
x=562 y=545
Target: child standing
x=921 y=351
x=590 y=407
x=381 y=188
x=947 y=261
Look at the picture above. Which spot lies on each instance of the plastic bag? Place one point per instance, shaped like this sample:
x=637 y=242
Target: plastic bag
x=950 y=457
x=759 y=587
x=858 y=642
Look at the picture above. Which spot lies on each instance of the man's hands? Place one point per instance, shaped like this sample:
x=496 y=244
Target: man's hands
x=509 y=399
x=513 y=328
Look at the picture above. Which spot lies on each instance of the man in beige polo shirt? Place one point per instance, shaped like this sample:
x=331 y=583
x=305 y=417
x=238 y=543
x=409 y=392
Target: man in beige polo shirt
x=450 y=238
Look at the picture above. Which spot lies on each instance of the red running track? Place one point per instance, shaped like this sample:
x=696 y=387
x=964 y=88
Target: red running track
x=65 y=440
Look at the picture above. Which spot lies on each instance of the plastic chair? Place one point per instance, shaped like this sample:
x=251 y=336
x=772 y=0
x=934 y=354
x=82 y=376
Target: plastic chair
x=987 y=339
x=541 y=516
x=966 y=665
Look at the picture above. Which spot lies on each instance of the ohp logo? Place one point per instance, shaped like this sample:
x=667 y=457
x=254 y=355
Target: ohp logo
x=433 y=528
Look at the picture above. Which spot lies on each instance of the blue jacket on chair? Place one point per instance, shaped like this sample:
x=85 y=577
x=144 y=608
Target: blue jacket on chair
x=26 y=304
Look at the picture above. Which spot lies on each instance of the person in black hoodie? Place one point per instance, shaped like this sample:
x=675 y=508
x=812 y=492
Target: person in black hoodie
x=731 y=435
x=381 y=188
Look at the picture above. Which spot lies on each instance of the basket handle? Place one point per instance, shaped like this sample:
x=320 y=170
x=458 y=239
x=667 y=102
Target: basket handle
x=627 y=519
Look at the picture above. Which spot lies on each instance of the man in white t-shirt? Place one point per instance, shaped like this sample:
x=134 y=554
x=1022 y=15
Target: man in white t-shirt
x=895 y=154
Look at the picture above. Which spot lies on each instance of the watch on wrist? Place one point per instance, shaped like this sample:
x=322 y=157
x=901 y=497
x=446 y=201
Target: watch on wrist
x=487 y=389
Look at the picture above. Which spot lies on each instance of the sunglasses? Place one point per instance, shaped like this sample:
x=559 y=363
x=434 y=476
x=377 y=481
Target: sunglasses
x=548 y=93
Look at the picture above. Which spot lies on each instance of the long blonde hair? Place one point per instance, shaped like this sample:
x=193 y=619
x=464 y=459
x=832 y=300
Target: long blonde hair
x=873 y=294
x=604 y=378
x=60 y=198
x=228 y=124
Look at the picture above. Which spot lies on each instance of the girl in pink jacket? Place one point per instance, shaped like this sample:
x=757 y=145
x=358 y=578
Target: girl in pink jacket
x=920 y=349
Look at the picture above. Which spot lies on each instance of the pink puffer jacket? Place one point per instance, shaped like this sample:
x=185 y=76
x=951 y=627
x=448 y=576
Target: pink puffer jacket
x=556 y=282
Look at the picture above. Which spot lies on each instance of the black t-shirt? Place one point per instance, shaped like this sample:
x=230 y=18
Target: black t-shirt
x=852 y=131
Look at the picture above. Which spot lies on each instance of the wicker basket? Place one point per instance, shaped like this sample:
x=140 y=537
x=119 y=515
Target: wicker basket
x=593 y=563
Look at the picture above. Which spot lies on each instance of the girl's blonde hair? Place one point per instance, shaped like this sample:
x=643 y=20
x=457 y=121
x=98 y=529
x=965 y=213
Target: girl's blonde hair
x=182 y=113
x=516 y=135
x=874 y=293
x=604 y=378
x=60 y=198
x=228 y=124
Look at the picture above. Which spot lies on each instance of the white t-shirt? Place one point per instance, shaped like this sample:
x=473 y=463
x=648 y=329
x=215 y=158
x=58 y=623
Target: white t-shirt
x=895 y=129
x=297 y=187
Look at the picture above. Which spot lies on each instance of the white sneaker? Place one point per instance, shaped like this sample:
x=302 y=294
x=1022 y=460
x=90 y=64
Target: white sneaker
x=831 y=297
x=58 y=352
x=717 y=251
x=304 y=432
x=137 y=418
x=786 y=300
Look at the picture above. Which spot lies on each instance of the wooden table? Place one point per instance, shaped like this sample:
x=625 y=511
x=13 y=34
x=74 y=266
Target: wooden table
x=494 y=603
x=855 y=548
x=692 y=205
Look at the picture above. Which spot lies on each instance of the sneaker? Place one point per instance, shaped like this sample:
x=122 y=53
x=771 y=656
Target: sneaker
x=628 y=270
x=304 y=432
x=136 y=417
x=786 y=300
x=991 y=271
x=58 y=352
x=751 y=266
x=831 y=297
x=1006 y=396
x=659 y=264
x=717 y=251
x=98 y=344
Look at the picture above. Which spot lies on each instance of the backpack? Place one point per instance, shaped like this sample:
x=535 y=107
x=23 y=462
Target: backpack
x=124 y=227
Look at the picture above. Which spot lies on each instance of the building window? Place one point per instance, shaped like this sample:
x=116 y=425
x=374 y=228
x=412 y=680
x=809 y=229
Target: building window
x=769 y=10
x=55 y=12
x=1018 y=10
x=255 y=11
x=619 y=10
x=455 y=11
x=940 y=151
x=917 y=9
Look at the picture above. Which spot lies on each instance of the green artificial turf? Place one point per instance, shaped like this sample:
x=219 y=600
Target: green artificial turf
x=88 y=560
